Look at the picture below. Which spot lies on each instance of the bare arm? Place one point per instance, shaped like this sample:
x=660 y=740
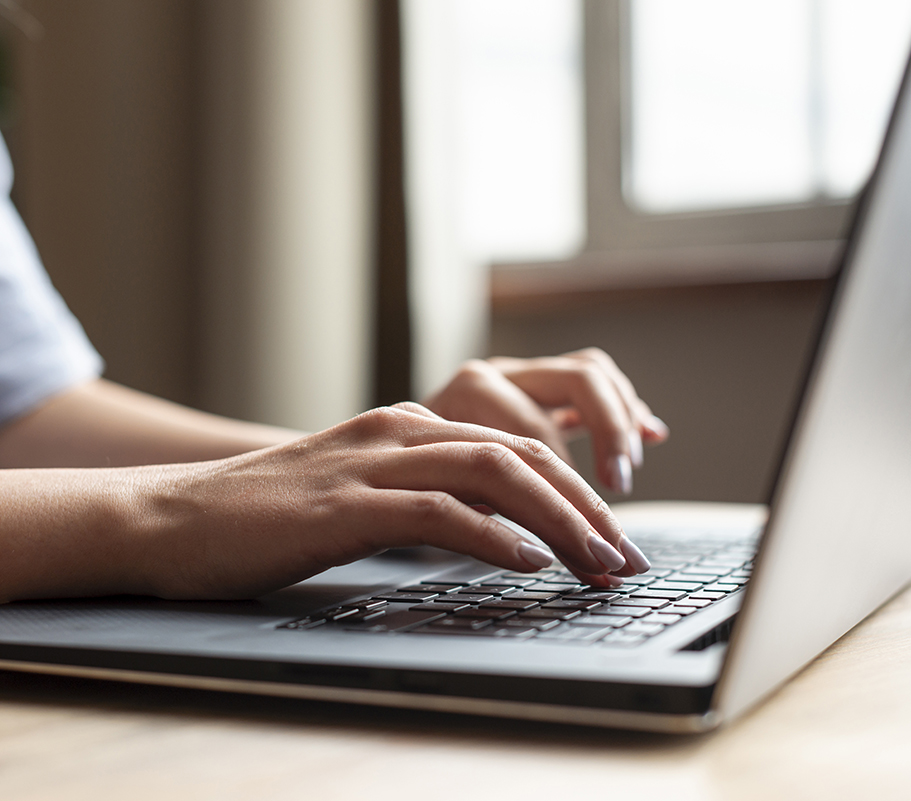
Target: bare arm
x=138 y=495
x=102 y=424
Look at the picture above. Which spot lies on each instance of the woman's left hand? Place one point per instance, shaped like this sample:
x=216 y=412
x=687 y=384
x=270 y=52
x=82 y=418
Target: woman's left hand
x=549 y=398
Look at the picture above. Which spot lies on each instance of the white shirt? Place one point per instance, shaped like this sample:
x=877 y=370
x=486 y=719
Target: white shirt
x=43 y=349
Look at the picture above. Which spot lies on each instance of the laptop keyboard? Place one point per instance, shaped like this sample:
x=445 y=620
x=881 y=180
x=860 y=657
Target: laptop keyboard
x=553 y=604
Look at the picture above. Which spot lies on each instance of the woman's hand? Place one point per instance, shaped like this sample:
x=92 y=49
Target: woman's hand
x=396 y=476
x=549 y=398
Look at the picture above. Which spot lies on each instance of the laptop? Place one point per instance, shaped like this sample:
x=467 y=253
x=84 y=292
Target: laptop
x=737 y=601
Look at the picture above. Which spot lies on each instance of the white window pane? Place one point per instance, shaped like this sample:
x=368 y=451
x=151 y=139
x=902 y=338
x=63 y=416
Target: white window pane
x=864 y=47
x=760 y=103
x=518 y=127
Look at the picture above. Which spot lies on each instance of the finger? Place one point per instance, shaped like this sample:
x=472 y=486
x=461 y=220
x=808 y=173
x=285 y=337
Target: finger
x=650 y=427
x=496 y=476
x=409 y=430
x=482 y=394
x=416 y=408
x=406 y=518
x=586 y=387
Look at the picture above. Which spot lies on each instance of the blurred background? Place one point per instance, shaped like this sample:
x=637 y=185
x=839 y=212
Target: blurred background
x=292 y=210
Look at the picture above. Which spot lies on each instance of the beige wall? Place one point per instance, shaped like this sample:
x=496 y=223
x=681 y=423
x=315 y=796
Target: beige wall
x=720 y=365
x=103 y=147
x=197 y=175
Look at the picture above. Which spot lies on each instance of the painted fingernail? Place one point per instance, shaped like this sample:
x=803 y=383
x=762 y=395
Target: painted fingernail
x=621 y=473
x=534 y=555
x=605 y=553
x=635 y=448
x=658 y=427
x=634 y=557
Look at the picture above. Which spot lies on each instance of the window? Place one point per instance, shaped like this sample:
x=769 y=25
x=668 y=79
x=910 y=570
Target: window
x=714 y=123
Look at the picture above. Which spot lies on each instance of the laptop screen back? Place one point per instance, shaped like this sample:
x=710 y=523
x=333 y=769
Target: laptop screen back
x=838 y=544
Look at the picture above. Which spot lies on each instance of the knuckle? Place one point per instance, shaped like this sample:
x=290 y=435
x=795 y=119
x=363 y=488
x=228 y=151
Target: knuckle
x=492 y=457
x=599 y=357
x=472 y=372
x=377 y=421
x=410 y=407
x=432 y=506
x=536 y=451
x=588 y=375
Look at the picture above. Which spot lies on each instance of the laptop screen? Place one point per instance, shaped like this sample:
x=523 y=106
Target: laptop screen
x=838 y=545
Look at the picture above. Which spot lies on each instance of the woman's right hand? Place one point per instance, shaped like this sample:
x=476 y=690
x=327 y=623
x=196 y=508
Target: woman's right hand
x=397 y=476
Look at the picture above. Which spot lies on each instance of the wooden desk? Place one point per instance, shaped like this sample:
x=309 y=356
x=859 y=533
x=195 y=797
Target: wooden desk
x=840 y=730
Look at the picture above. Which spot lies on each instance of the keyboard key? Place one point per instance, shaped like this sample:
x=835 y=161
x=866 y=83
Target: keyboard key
x=460 y=623
x=626 y=611
x=364 y=614
x=652 y=603
x=667 y=595
x=600 y=621
x=639 y=580
x=406 y=597
x=433 y=586
x=303 y=624
x=524 y=595
x=677 y=609
x=703 y=595
x=674 y=585
x=336 y=612
x=638 y=627
x=563 y=604
x=620 y=639
x=520 y=632
x=489 y=614
x=395 y=618
x=553 y=614
x=719 y=586
x=693 y=578
x=662 y=618
x=565 y=632
x=509 y=603
x=601 y=597
x=440 y=589
x=493 y=589
x=545 y=586
x=705 y=570
x=436 y=606
x=467 y=597
x=539 y=576
x=693 y=603
x=541 y=624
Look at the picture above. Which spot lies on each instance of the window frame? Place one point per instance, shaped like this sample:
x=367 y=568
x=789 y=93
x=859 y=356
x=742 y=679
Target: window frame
x=627 y=248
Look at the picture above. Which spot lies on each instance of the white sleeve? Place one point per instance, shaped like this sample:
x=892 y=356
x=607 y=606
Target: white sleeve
x=43 y=349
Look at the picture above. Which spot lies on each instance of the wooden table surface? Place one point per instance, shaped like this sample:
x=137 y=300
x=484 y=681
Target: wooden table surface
x=839 y=730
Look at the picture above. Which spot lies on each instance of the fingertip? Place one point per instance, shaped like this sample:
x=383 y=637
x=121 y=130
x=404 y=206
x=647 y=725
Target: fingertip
x=535 y=556
x=655 y=429
x=635 y=448
x=619 y=474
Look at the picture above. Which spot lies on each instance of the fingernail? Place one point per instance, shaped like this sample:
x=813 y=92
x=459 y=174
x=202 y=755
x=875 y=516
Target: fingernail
x=605 y=553
x=635 y=448
x=534 y=555
x=658 y=427
x=621 y=472
x=634 y=557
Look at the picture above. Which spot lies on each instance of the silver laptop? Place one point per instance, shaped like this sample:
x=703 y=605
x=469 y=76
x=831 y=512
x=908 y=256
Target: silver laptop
x=737 y=600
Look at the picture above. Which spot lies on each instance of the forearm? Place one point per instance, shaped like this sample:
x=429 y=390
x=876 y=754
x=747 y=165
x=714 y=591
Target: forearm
x=73 y=532
x=102 y=424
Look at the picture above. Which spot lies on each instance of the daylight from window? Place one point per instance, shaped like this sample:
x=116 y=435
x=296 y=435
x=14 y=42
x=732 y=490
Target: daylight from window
x=758 y=103
x=518 y=127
